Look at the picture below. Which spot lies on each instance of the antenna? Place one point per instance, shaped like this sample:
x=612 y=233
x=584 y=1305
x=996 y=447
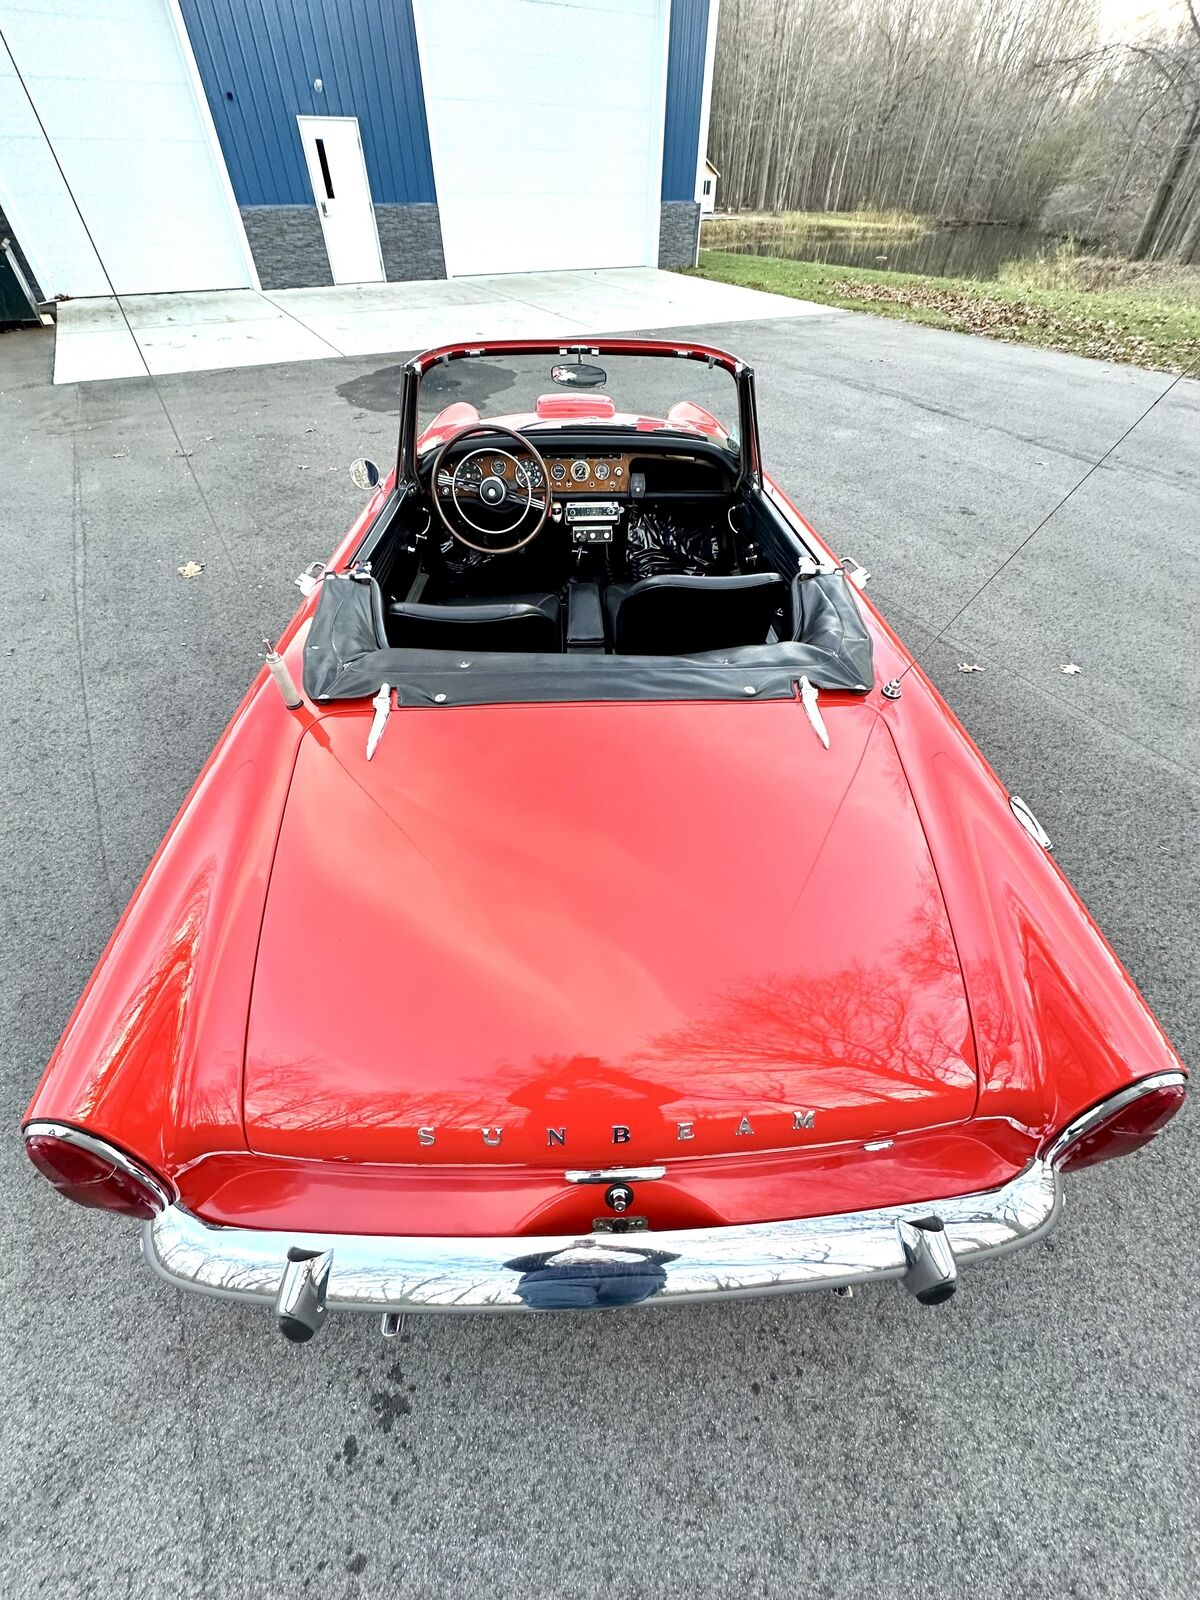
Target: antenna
x=113 y=291
x=893 y=688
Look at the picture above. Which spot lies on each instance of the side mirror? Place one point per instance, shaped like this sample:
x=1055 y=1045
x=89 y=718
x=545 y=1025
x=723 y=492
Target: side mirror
x=364 y=473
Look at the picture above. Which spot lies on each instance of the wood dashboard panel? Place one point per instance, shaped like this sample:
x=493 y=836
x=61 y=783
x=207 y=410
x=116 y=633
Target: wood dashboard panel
x=588 y=474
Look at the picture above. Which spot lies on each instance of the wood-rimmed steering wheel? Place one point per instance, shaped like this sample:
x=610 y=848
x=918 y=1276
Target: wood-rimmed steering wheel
x=490 y=494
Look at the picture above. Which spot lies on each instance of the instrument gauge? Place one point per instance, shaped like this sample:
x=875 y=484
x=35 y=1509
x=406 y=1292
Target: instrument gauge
x=498 y=466
x=601 y=470
x=557 y=471
x=579 y=471
x=529 y=475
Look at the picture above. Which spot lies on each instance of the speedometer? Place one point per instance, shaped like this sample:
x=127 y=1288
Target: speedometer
x=468 y=475
x=529 y=475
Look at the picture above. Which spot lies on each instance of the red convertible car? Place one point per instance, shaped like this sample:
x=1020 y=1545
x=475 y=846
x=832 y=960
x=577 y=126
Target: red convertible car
x=591 y=904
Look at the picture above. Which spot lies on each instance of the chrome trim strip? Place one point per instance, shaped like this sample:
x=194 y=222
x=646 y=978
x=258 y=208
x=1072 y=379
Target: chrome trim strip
x=615 y=1174
x=1020 y=809
x=370 y=1273
x=1124 y=1097
x=107 y=1152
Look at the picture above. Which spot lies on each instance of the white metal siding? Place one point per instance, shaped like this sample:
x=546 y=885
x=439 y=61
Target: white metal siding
x=121 y=106
x=546 y=129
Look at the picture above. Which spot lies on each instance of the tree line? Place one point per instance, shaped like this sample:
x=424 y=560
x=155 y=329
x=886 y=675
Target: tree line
x=967 y=110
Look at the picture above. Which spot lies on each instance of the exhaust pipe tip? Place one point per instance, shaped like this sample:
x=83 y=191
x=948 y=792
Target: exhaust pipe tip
x=932 y=1275
x=300 y=1303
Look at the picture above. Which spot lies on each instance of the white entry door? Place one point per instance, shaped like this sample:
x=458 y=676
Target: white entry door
x=338 y=173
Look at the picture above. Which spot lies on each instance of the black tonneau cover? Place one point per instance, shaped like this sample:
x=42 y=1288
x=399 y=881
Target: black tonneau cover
x=347 y=656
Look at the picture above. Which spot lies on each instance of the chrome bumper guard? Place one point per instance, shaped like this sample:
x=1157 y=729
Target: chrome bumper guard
x=302 y=1275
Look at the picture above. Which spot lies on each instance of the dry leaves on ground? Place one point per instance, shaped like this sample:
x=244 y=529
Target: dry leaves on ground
x=1010 y=319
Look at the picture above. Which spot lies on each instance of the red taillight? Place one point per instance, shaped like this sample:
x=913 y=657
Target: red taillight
x=92 y=1173
x=1120 y=1125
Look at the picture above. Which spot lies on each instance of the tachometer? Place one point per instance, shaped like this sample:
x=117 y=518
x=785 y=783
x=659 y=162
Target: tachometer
x=529 y=474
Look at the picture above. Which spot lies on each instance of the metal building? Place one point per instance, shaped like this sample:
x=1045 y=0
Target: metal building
x=214 y=145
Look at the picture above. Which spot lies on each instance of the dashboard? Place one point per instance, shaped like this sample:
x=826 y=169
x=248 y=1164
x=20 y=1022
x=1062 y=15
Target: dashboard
x=607 y=474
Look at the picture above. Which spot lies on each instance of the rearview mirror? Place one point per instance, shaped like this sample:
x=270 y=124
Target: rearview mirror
x=579 y=375
x=364 y=474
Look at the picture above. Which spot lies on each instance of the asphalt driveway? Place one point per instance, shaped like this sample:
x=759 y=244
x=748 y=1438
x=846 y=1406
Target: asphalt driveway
x=1035 y=1437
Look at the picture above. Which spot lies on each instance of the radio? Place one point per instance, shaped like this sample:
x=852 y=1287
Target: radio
x=593 y=511
x=592 y=521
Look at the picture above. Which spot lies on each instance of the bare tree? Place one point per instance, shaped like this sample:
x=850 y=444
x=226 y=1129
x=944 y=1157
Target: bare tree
x=986 y=110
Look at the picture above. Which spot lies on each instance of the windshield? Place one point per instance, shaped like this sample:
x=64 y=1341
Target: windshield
x=588 y=387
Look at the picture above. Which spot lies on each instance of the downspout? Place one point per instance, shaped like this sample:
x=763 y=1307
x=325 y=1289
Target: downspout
x=23 y=282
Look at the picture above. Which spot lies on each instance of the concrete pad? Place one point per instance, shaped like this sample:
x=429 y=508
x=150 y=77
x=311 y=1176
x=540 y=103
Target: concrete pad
x=190 y=310
x=91 y=316
x=244 y=328
x=621 y=299
x=355 y=297
x=368 y=334
x=208 y=346
x=90 y=353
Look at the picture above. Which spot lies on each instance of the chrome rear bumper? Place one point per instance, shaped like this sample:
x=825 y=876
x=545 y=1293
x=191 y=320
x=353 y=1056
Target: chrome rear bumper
x=302 y=1274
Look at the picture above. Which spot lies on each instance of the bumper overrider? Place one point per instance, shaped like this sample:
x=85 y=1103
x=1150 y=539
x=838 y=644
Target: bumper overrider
x=304 y=1275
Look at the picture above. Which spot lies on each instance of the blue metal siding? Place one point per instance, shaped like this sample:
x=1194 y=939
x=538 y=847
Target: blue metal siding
x=258 y=60
x=685 y=93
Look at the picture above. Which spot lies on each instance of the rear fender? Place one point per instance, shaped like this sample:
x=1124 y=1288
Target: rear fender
x=1059 y=1024
x=152 y=1056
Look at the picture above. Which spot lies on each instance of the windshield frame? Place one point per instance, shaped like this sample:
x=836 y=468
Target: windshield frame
x=414 y=370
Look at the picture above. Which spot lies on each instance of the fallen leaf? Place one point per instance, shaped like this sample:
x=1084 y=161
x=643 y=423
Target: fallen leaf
x=191 y=569
x=1071 y=669
x=969 y=666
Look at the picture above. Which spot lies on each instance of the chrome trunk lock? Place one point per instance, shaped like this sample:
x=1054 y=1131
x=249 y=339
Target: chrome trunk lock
x=619 y=1197
x=620 y=1225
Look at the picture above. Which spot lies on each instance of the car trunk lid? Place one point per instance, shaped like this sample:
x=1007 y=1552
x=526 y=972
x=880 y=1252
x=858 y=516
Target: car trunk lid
x=602 y=934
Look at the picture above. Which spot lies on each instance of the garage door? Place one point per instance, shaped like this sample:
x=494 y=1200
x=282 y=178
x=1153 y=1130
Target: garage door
x=121 y=106
x=546 y=128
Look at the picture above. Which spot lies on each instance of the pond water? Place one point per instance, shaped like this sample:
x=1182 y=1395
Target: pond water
x=972 y=251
